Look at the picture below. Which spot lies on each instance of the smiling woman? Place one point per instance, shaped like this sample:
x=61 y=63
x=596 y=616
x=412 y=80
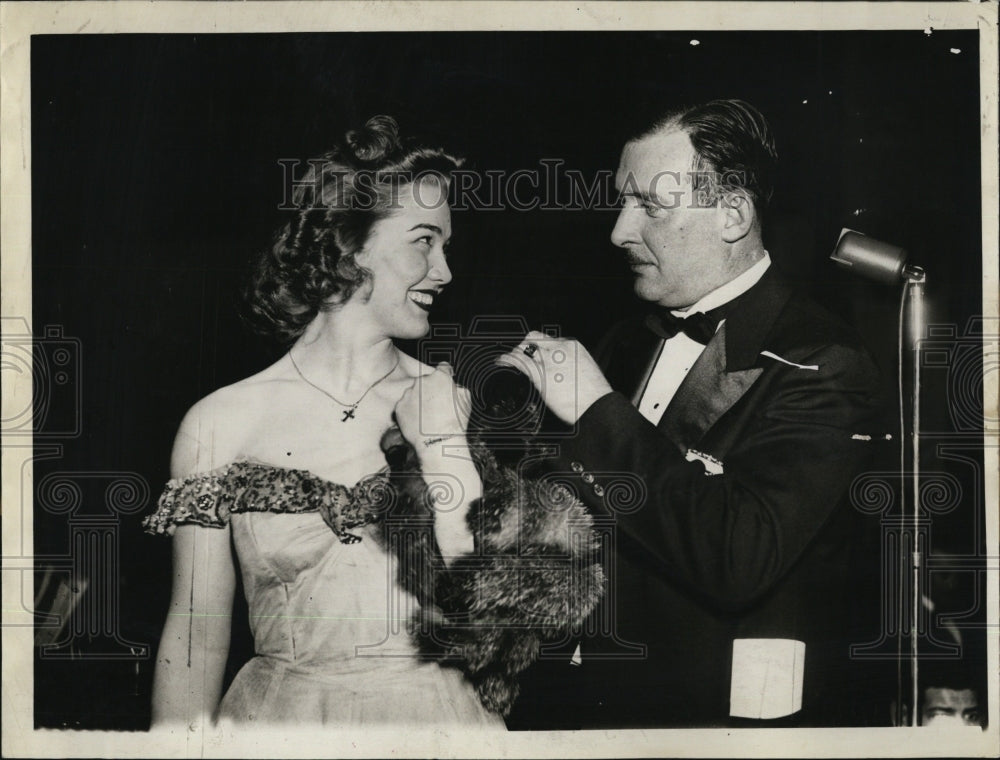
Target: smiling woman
x=405 y=256
x=363 y=196
x=268 y=464
x=288 y=466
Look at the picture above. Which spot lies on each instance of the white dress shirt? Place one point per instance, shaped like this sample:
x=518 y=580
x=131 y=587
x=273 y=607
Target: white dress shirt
x=681 y=352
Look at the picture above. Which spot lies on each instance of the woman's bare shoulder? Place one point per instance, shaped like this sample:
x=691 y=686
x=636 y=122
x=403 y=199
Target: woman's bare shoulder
x=214 y=430
x=236 y=401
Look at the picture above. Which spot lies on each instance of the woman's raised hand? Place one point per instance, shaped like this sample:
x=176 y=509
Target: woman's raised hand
x=433 y=416
x=433 y=409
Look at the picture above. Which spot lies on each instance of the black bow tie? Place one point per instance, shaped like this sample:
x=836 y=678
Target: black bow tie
x=699 y=327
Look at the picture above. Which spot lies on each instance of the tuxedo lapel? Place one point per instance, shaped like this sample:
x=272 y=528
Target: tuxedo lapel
x=706 y=394
x=726 y=368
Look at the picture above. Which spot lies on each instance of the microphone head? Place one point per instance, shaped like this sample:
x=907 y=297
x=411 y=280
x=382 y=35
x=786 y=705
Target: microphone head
x=869 y=257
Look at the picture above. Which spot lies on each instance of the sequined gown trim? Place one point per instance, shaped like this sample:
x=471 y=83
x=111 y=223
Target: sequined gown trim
x=208 y=499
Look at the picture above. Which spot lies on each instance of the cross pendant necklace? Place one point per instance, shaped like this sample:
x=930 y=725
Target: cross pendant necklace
x=349 y=409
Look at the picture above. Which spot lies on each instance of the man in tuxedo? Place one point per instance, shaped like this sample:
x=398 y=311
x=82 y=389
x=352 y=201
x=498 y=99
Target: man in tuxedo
x=715 y=442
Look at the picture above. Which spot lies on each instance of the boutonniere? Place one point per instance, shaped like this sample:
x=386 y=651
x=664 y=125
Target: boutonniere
x=712 y=465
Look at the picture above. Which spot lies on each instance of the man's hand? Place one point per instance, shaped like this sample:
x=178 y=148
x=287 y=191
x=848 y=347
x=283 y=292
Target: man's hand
x=565 y=374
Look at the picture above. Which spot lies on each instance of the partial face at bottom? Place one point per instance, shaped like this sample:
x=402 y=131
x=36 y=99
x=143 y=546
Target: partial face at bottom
x=950 y=707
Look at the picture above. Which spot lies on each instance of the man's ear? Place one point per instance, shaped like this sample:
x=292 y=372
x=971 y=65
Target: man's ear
x=738 y=216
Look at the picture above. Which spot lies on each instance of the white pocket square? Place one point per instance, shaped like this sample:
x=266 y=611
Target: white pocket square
x=712 y=465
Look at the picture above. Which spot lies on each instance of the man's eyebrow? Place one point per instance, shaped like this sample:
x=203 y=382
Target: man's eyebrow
x=425 y=226
x=636 y=194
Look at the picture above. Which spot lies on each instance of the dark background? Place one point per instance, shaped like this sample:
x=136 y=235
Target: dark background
x=155 y=178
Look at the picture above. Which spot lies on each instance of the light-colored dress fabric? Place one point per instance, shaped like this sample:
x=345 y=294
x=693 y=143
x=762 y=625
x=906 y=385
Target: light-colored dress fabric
x=330 y=622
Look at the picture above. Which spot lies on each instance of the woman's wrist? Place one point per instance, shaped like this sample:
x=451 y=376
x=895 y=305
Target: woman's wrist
x=453 y=484
x=456 y=438
x=447 y=448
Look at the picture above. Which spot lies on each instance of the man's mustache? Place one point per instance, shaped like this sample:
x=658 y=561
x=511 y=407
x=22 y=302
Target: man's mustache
x=631 y=259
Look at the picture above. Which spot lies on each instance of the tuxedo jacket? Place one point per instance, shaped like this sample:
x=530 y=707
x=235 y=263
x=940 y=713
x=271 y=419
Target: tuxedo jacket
x=727 y=520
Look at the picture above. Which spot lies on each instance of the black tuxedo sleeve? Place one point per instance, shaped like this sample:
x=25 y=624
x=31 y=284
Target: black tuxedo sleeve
x=788 y=462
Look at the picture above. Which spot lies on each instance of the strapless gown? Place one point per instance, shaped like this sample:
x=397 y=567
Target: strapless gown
x=330 y=622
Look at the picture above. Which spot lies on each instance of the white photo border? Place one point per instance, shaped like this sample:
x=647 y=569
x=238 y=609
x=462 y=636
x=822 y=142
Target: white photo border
x=18 y=21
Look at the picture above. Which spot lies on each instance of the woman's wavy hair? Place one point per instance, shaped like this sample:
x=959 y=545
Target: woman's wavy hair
x=311 y=265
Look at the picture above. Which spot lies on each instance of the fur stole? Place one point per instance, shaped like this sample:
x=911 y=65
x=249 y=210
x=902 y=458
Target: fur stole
x=533 y=577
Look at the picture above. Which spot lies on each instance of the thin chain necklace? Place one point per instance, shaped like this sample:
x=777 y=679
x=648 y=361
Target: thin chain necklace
x=348 y=408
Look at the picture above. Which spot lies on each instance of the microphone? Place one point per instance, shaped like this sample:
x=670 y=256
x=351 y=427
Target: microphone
x=872 y=258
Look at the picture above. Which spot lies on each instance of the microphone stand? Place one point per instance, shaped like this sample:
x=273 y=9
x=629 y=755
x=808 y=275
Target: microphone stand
x=915 y=278
x=883 y=262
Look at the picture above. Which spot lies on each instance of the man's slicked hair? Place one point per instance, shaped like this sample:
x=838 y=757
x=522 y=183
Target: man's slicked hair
x=734 y=149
